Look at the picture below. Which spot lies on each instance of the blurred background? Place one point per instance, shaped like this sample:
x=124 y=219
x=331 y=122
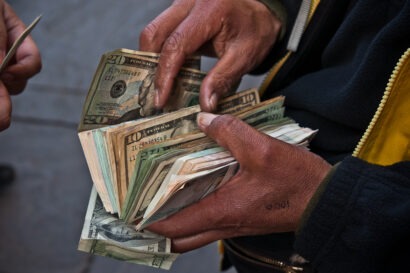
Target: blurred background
x=42 y=211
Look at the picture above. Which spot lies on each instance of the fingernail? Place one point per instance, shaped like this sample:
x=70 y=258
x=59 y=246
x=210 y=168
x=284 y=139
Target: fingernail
x=204 y=119
x=213 y=101
x=156 y=100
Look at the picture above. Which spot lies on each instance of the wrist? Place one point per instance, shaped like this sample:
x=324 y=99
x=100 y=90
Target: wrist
x=315 y=198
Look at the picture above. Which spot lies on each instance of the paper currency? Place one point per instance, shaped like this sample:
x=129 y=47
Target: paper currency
x=105 y=235
x=267 y=117
x=123 y=89
x=113 y=162
x=193 y=62
x=258 y=114
x=152 y=165
x=160 y=129
x=147 y=165
x=180 y=188
x=194 y=176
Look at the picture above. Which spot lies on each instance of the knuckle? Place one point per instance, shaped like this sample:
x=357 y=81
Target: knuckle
x=225 y=124
x=219 y=214
x=148 y=34
x=265 y=152
x=222 y=84
x=174 y=43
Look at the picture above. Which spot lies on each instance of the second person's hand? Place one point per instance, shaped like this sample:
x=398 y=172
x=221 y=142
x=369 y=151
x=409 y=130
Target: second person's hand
x=26 y=63
x=239 y=32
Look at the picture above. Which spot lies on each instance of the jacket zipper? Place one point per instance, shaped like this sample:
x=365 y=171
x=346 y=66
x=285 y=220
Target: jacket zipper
x=383 y=101
x=306 y=11
x=259 y=259
x=299 y=25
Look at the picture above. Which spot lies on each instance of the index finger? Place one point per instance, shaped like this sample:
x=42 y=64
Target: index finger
x=239 y=138
x=187 y=38
x=155 y=33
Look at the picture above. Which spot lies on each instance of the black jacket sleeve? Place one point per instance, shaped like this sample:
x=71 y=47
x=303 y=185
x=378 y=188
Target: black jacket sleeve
x=361 y=222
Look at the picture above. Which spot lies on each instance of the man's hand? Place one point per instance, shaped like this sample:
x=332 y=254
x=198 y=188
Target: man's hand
x=239 y=32
x=269 y=193
x=26 y=63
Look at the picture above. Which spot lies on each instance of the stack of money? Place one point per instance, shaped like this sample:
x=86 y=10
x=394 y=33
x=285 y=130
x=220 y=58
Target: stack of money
x=146 y=165
x=104 y=234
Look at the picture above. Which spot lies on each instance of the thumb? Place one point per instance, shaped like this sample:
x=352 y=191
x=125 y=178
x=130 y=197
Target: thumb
x=234 y=135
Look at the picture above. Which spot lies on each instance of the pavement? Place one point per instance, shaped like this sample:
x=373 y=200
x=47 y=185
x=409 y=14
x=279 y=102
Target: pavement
x=42 y=211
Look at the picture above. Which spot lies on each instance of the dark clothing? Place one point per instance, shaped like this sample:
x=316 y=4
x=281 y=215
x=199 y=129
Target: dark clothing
x=334 y=83
x=336 y=79
x=362 y=222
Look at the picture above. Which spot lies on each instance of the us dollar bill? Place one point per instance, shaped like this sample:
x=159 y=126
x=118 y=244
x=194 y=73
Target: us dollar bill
x=193 y=62
x=103 y=151
x=184 y=191
x=132 y=139
x=123 y=89
x=153 y=163
x=193 y=176
x=129 y=142
x=104 y=234
x=262 y=113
